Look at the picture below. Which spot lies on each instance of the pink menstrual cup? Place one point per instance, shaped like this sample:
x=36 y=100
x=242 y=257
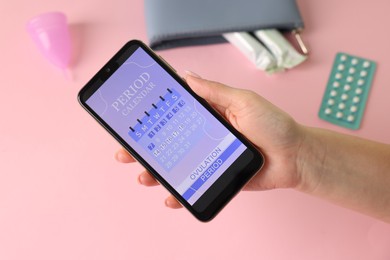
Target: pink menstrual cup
x=50 y=33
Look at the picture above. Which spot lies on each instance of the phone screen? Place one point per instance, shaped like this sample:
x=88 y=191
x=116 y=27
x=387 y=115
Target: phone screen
x=166 y=126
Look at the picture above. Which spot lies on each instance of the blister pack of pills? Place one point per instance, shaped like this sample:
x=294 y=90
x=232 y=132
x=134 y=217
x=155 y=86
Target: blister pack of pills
x=347 y=90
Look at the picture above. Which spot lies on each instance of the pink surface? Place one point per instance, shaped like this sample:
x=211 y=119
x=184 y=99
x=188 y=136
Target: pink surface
x=63 y=196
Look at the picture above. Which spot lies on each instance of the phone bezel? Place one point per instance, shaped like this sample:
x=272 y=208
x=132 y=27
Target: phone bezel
x=227 y=185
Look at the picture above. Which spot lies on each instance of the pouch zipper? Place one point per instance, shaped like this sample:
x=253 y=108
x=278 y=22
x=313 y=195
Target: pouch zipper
x=297 y=33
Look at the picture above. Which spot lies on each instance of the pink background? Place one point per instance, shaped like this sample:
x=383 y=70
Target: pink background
x=63 y=196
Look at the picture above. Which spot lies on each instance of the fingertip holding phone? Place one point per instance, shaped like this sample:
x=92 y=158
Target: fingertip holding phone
x=185 y=144
x=50 y=33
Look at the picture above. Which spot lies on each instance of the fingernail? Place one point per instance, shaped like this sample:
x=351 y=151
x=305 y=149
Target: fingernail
x=193 y=74
x=117 y=156
x=120 y=157
x=139 y=179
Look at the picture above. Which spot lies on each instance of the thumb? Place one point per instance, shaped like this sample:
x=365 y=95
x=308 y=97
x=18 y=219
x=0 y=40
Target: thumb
x=214 y=92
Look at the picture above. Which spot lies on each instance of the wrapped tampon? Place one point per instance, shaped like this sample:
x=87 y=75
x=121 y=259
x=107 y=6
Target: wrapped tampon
x=285 y=54
x=253 y=50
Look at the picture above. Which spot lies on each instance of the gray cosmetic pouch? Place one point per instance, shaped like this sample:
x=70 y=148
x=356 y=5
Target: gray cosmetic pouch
x=176 y=23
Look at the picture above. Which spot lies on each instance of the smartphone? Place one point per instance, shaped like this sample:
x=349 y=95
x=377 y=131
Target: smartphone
x=176 y=135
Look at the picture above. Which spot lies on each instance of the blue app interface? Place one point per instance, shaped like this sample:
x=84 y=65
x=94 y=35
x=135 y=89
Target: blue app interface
x=165 y=125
